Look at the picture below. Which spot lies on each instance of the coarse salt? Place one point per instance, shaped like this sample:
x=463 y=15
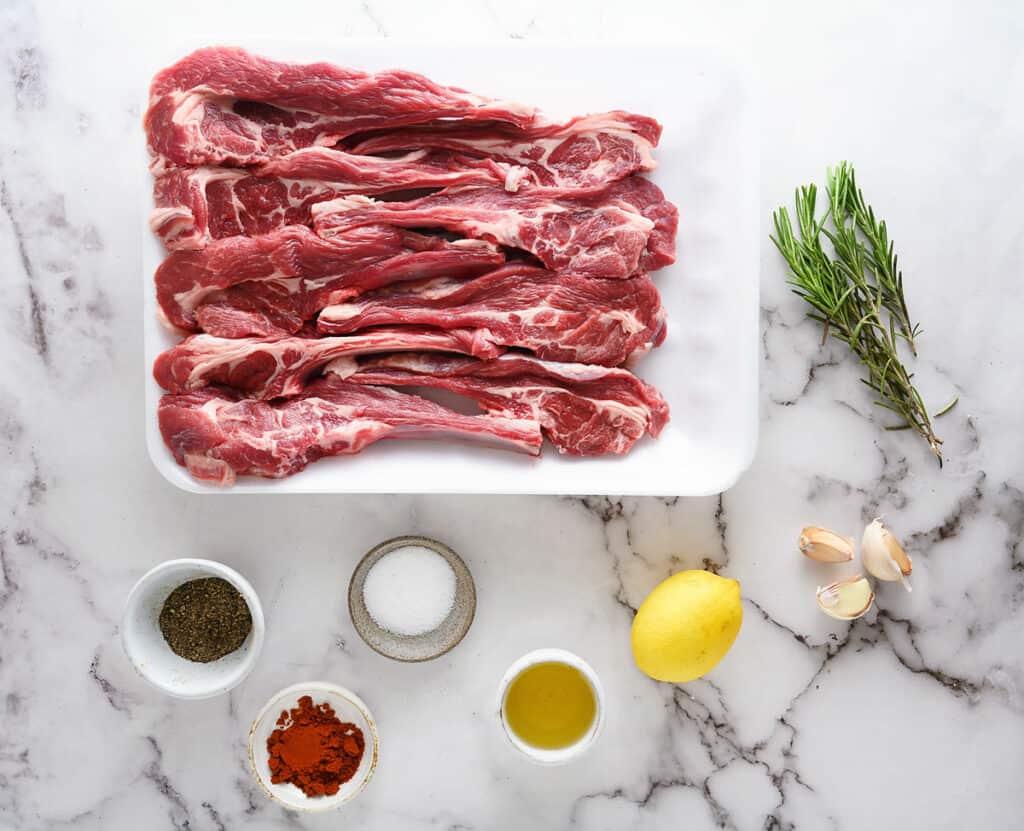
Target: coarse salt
x=410 y=590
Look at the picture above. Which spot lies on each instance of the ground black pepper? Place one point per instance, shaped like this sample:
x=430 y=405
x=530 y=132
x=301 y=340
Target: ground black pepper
x=206 y=619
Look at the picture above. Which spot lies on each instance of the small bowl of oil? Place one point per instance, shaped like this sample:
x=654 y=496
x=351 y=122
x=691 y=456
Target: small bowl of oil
x=551 y=706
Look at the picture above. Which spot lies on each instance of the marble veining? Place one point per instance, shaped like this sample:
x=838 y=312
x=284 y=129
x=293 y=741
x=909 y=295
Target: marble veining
x=912 y=717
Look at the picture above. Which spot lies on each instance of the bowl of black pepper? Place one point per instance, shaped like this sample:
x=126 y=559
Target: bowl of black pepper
x=192 y=628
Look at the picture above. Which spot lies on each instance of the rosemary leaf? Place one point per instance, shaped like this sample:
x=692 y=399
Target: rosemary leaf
x=948 y=407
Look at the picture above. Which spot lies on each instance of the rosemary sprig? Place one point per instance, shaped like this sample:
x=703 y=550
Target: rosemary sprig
x=856 y=294
x=880 y=254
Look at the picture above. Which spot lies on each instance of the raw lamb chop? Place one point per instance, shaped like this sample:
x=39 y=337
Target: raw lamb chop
x=223 y=104
x=584 y=410
x=271 y=284
x=587 y=152
x=614 y=232
x=558 y=316
x=195 y=205
x=269 y=368
x=217 y=435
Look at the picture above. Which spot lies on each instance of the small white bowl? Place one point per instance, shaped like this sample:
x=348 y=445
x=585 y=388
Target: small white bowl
x=149 y=653
x=562 y=755
x=348 y=707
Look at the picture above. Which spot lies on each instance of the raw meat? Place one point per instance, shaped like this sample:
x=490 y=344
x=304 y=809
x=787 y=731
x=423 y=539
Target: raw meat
x=217 y=434
x=393 y=232
x=584 y=410
x=614 y=232
x=223 y=104
x=271 y=284
x=586 y=152
x=559 y=317
x=269 y=368
x=646 y=197
x=195 y=205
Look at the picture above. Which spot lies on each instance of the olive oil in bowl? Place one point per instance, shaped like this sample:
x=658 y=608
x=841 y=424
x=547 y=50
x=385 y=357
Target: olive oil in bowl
x=551 y=705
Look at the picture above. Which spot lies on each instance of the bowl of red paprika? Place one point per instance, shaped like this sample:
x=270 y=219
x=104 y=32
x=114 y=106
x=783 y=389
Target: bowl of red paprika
x=313 y=746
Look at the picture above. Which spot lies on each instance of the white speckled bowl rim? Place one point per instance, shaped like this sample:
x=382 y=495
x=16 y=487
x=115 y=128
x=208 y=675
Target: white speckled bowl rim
x=414 y=648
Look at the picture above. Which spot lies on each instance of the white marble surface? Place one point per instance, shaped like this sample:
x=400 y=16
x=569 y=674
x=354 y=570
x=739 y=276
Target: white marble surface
x=911 y=718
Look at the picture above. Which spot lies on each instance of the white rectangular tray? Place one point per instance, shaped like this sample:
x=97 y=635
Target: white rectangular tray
x=707 y=368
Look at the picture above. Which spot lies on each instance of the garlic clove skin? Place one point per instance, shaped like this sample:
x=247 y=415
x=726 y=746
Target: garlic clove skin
x=825 y=546
x=846 y=599
x=883 y=556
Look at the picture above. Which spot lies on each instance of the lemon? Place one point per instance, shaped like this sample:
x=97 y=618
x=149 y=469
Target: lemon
x=686 y=625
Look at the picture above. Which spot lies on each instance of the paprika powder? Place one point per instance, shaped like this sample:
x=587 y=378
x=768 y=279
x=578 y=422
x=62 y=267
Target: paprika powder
x=313 y=749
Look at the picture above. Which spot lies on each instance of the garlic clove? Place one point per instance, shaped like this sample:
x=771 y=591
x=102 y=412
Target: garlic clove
x=883 y=556
x=825 y=546
x=846 y=599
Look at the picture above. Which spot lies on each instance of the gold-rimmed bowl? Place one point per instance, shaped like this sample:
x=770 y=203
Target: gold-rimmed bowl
x=348 y=707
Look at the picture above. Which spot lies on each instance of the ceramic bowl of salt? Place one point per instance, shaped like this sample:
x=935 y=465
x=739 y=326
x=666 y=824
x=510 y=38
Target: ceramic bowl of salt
x=412 y=599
